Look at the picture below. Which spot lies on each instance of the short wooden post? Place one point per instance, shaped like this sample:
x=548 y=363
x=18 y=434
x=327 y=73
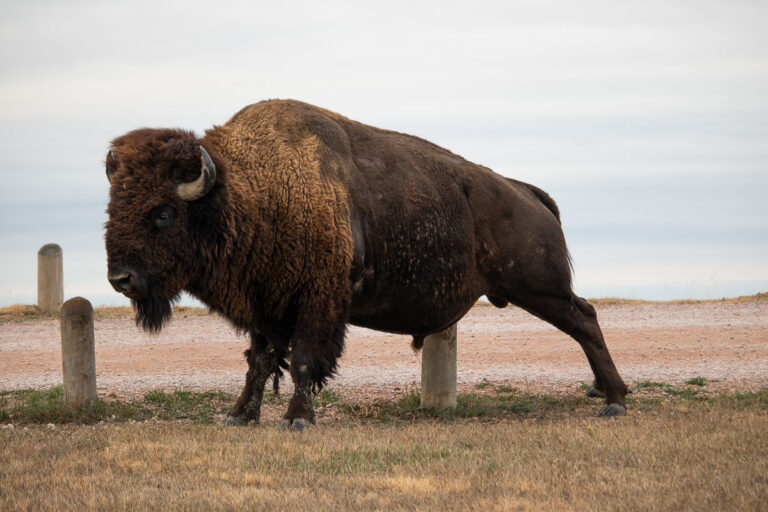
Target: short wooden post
x=50 y=278
x=77 y=352
x=438 y=370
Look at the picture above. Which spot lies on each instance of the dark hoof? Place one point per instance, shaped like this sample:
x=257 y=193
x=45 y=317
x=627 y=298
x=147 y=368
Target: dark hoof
x=234 y=420
x=610 y=410
x=594 y=393
x=295 y=425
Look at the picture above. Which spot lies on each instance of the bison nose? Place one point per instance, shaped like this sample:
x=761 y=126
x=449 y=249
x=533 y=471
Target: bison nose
x=123 y=280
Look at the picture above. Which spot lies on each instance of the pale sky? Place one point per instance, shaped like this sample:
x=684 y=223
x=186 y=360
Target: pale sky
x=647 y=122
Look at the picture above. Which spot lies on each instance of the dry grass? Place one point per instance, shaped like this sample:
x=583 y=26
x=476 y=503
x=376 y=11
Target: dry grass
x=612 y=301
x=26 y=313
x=690 y=457
x=22 y=313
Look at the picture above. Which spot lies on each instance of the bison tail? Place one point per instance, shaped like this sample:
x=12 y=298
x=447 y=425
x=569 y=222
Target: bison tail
x=546 y=200
x=570 y=264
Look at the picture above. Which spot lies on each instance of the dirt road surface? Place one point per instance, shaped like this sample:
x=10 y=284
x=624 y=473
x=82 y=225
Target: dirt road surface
x=723 y=341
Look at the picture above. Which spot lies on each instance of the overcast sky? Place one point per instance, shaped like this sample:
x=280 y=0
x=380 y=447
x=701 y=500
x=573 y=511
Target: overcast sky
x=647 y=122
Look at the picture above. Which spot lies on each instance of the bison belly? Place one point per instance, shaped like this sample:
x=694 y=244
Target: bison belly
x=416 y=276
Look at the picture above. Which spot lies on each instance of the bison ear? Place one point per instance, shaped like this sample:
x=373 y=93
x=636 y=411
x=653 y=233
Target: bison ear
x=193 y=190
x=111 y=164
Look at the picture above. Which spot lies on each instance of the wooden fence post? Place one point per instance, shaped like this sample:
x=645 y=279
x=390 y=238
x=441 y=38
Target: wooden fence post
x=77 y=352
x=50 y=278
x=438 y=370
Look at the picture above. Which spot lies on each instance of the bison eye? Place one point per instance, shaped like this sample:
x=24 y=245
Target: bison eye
x=162 y=216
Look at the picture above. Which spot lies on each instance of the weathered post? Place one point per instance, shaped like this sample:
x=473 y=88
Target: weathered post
x=438 y=370
x=50 y=278
x=77 y=352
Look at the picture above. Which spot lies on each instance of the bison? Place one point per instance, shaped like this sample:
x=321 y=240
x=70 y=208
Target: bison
x=293 y=221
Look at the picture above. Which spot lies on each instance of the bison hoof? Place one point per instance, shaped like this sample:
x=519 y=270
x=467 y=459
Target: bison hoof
x=234 y=420
x=610 y=410
x=593 y=392
x=294 y=425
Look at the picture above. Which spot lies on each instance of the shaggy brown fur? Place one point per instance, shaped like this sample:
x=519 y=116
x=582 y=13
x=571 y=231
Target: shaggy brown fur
x=315 y=221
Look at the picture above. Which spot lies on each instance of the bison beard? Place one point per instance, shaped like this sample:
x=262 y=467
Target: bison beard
x=153 y=311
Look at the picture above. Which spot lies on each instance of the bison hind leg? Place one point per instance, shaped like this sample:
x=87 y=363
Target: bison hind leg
x=577 y=318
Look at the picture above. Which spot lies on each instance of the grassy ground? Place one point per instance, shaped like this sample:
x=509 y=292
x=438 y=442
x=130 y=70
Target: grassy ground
x=681 y=448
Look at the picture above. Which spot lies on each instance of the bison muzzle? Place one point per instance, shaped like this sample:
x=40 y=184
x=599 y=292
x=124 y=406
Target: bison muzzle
x=293 y=221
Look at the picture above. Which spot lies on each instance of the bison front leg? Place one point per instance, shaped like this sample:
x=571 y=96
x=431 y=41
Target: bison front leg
x=263 y=362
x=300 y=412
x=313 y=360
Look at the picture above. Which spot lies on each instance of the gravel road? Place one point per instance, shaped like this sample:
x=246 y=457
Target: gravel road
x=724 y=341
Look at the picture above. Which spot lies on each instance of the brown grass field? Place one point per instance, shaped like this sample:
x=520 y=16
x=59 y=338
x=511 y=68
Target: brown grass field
x=677 y=453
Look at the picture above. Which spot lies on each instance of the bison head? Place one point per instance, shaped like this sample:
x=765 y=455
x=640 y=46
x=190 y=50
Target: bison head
x=156 y=177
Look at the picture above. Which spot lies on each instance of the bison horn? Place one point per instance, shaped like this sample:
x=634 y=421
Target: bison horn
x=111 y=163
x=193 y=190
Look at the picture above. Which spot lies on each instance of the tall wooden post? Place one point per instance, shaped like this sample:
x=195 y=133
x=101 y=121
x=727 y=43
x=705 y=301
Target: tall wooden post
x=77 y=352
x=50 y=278
x=438 y=370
